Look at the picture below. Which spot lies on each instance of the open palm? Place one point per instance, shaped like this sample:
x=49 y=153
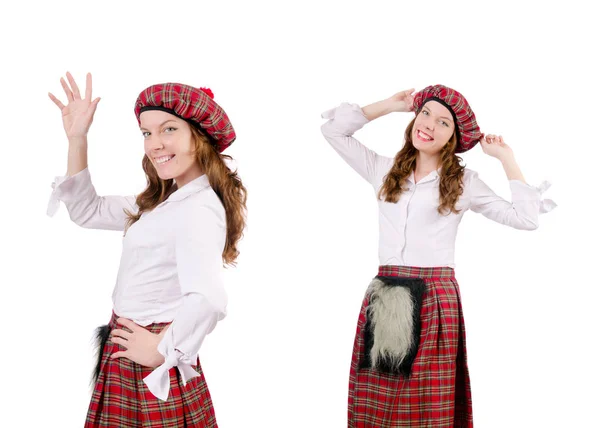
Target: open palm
x=78 y=114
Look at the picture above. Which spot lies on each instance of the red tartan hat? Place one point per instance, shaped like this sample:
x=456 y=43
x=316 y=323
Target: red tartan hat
x=195 y=105
x=468 y=131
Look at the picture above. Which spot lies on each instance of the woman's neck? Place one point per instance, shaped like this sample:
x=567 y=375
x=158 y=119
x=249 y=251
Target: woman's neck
x=426 y=163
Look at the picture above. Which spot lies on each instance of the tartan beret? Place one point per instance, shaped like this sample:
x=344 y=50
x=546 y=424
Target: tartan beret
x=468 y=131
x=194 y=105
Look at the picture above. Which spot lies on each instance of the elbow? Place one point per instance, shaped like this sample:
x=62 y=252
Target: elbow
x=533 y=226
x=333 y=136
x=216 y=304
x=529 y=224
x=523 y=219
x=326 y=130
x=331 y=132
x=83 y=219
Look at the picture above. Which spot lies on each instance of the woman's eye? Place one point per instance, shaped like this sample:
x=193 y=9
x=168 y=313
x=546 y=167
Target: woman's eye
x=170 y=129
x=145 y=134
x=445 y=124
x=425 y=112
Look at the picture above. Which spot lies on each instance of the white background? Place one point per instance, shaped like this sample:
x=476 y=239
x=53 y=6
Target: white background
x=281 y=358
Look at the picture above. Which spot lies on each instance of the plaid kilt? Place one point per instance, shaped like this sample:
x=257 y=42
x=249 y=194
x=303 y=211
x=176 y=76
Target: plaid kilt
x=437 y=393
x=121 y=398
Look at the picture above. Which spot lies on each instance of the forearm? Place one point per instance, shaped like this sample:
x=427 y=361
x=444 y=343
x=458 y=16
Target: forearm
x=378 y=109
x=77 y=156
x=512 y=170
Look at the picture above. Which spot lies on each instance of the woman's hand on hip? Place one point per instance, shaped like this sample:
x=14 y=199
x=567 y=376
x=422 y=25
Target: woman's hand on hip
x=141 y=345
x=78 y=114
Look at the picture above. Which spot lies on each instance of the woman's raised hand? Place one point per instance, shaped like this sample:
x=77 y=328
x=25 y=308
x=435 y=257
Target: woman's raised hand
x=78 y=114
x=494 y=146
x=402 y=101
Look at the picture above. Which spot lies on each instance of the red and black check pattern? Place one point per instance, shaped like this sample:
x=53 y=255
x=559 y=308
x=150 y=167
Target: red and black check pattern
x=121 y=398
x=469 y=133
x=191 y=104
x=437 y=393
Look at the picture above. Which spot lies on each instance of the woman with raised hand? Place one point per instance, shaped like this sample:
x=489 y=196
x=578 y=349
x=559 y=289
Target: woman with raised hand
x=178 y=233
x=409 y=362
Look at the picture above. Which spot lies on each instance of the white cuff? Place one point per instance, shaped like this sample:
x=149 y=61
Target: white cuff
x=526 y=192
x=54 y=202
x=159 y=381
x=546 y=205
x=350 y=116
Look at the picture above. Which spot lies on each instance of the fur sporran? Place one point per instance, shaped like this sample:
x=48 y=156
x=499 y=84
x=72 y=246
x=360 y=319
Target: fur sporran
x=393 y=328
x=100 y=338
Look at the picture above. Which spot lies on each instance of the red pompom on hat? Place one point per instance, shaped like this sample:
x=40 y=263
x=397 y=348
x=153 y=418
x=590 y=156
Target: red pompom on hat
x=468 y=131
x=195 y=105
x=208 y=92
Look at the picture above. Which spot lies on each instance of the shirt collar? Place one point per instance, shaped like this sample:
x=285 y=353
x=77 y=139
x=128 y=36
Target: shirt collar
x=429 y=177
x=190 y=188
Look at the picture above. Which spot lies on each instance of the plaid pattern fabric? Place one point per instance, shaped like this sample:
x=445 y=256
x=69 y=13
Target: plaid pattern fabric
x=122 y=400
x=437 y=393
x=191 y=104
x=469 y=133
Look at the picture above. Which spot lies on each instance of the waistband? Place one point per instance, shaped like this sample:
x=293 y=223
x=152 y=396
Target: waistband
x=152 y=327
x=417 y=272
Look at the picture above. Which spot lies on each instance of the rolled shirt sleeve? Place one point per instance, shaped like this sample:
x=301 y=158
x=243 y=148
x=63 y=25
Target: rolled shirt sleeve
x=200 y=233
x=85 y=207
x=521 y=213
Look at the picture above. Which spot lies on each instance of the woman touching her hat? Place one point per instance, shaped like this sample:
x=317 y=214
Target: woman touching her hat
x=409 y=364
x=178 y=233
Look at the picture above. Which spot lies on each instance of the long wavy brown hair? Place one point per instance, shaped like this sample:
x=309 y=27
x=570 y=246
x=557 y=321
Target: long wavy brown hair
x=225 y=183
x=451 y=173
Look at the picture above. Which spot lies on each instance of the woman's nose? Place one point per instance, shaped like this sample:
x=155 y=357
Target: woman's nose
x=155 y=143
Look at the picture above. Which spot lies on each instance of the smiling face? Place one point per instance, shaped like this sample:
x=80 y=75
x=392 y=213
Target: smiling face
x=169 y=145
x=433 y=128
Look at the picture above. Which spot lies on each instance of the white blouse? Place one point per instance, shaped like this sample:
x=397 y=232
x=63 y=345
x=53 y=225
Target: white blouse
x=411 y=231
x=170 y=268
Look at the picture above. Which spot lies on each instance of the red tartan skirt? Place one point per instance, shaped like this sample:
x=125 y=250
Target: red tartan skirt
x=437 y=393
x=121 y=399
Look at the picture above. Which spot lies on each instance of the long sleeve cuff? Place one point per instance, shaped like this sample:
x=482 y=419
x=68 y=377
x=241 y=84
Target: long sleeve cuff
x=347 y=118
x=522 y=192
x=67 y=187
x=159 y=381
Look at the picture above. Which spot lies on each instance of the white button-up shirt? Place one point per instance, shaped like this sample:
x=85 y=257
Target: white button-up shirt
x=411 y=231
x=171 y=264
